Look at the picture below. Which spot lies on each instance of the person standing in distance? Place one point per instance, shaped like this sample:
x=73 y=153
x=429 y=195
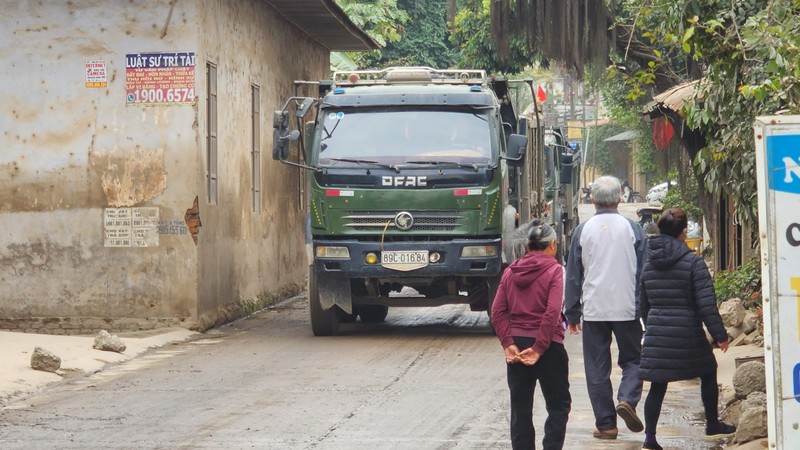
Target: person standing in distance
x=677 y=297
x=526 y=315
x=605 y=261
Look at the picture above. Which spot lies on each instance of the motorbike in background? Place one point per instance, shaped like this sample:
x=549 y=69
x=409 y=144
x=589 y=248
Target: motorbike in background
x=629 y=195
x=647 y=219
x=586 y=194
x=694 y=233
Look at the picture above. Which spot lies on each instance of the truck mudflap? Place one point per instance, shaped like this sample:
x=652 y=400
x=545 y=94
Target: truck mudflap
x=335 y=291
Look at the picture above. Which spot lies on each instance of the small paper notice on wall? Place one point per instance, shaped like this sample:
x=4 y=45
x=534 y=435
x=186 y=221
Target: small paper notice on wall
x=96 y=73
x=131 y=227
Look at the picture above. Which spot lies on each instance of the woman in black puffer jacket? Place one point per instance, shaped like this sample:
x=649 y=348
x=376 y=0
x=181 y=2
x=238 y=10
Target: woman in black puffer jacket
x=676 y=299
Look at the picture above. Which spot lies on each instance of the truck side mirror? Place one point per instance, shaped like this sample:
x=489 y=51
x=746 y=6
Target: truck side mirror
x=302 y=110
x=281 y=135
x=517 y=147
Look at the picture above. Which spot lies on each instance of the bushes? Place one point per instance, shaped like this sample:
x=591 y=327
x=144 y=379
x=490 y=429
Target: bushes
x=743 y=282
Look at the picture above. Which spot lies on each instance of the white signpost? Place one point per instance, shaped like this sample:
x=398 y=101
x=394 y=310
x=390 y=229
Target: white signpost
x=777 y=144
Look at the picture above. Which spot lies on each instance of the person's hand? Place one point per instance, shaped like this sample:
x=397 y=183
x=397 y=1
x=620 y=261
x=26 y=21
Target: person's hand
x=723 y=346
x=512 y=354
x=574 y=328
x=529 y=357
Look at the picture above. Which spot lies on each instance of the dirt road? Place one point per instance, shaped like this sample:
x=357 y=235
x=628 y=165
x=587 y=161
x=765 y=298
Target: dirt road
x=425 y=379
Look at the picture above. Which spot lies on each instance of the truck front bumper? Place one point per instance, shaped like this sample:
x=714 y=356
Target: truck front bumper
x=450 y=262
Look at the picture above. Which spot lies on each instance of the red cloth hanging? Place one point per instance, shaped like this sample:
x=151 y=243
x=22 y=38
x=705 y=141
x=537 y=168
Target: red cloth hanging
x=541 y=95
x=662 y=132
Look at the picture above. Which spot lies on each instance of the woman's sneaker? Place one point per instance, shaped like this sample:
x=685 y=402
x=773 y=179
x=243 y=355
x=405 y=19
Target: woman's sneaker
x=720 y=430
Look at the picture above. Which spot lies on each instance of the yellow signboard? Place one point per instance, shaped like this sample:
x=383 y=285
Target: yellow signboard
x=574 y=130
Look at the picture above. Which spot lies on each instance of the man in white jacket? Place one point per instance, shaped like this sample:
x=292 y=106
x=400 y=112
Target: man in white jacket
x=602 y=280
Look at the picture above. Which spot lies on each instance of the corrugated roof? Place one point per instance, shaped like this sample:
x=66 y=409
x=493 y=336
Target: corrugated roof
x=624 y=136
x=326 y=23
x=672 y=99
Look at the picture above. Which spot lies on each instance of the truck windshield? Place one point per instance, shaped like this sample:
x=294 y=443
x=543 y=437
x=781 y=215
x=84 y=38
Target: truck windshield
x=396 y=137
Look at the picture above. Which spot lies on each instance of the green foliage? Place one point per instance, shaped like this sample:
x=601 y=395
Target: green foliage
x=744 y=282
x=746 y=52
x=600 y=154
x=426 y=38
x=383 y=20
x=684 y=196
x=623 y=112
x=412 y=33
x=472 y=35
x=755 y=47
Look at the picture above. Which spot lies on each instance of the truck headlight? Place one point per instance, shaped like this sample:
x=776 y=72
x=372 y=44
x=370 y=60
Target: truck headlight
x=478 y=251
x=325 y=251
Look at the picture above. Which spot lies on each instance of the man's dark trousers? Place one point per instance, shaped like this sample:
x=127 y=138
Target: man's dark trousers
x=597 y=363
x=552 y=373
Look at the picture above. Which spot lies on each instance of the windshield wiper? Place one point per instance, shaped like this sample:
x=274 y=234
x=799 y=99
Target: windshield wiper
x=444 y=164
x=364 y=161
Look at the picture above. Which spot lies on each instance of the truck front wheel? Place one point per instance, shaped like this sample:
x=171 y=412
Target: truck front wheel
x=324 y=322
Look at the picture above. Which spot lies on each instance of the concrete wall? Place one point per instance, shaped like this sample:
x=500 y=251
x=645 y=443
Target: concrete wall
x=69 y=152
x=242 y=253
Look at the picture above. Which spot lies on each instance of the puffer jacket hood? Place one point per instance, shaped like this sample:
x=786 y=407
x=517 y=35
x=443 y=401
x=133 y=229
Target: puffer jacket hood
x=527 y=269
x=664 y=251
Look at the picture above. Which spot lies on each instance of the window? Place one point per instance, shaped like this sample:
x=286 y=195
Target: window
x=255 y=120
x=211 y=139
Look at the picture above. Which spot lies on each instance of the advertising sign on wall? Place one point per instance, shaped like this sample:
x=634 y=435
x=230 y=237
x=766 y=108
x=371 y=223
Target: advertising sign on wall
x=96 y=74
x=131 y=227
x=154 y=79
x=777 y=140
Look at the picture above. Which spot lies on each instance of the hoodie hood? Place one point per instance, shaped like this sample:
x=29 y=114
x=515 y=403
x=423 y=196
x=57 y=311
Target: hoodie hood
x=527 y=269
x=664 y=251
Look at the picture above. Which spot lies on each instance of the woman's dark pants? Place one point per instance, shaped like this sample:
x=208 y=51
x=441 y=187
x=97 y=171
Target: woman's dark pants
x=552 y=373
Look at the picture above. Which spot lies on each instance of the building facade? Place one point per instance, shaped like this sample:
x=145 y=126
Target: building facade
x=138 y=188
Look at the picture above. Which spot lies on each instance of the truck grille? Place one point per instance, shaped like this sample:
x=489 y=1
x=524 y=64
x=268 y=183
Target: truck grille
x=423 y=221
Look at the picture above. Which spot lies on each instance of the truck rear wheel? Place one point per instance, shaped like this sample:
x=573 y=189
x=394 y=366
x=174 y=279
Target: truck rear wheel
x=373 y=313
x=324 y=322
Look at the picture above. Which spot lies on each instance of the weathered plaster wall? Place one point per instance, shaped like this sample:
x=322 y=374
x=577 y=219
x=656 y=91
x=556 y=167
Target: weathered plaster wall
x=69 y=151
x=242 y=253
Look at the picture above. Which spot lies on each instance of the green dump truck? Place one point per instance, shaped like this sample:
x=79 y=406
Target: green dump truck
x=409 y=201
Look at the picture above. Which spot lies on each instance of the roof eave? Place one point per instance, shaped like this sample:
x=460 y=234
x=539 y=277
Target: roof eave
x=326 y=23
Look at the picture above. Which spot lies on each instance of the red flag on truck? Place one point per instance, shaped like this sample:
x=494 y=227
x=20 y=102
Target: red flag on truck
x=541 y=95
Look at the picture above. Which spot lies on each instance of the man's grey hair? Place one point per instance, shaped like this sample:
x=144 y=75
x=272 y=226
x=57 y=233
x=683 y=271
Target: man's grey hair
x=606 y=191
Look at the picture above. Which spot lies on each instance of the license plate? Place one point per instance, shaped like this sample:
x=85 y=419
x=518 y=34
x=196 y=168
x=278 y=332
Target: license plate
x=404 y=260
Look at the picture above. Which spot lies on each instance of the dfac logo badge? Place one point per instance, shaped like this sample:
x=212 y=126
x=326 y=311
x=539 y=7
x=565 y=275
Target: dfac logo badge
x=404 y=221
x=783 y=155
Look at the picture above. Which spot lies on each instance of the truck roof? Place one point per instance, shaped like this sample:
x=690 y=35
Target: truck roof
x=411 y=94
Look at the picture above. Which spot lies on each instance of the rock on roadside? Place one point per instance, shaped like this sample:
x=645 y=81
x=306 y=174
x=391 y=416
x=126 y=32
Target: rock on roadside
x=107 y=342
x=732 y=313
x=749 y=377
x=44 y=360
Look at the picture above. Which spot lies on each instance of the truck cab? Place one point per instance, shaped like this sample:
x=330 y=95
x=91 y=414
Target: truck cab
x=408 y=191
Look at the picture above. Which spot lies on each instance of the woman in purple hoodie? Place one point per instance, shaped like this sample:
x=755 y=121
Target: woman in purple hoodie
x=526 y=315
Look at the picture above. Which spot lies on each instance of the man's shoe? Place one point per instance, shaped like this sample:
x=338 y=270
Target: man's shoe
x=606 y=434
x=720 y=430
x=628 y=414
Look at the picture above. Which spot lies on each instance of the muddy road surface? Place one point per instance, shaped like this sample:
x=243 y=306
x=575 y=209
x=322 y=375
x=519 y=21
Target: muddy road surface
x=427 y=378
